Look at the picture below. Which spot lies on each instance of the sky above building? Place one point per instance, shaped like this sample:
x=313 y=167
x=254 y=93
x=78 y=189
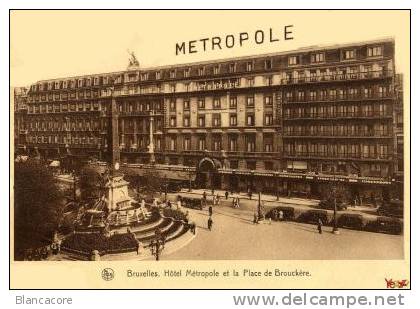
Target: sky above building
x=54 y=44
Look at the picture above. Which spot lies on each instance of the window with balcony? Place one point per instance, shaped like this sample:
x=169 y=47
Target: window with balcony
x=232 y=67
x=201 y=71
x=186 y=105
x=186 y=73
x=172 y=74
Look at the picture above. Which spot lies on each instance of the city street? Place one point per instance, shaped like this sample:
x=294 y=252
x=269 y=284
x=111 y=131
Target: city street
x=234 y=236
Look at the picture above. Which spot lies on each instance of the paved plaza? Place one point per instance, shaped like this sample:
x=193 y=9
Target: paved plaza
x=234 y=236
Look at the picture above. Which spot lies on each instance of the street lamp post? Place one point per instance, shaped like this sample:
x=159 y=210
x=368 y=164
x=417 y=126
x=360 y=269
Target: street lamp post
x=335 y=225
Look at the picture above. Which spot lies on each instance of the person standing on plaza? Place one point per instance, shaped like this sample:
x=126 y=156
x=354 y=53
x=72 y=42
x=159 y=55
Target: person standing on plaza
x=209 y=223
x=143 y=203
x=210 y=211
x=250 y=193
x=255 y=218
x=319 y=226
x=226 y=195
x=217 y=199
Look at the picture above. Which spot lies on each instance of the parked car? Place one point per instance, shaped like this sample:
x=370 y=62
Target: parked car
x=329 y=204
x=393 y=208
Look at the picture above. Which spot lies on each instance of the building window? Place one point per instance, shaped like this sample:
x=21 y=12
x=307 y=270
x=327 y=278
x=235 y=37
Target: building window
x=250 y=101
x=318 y=57
x=216 y=103
x=186 y=121
x=201 y=143
x=232 y=67
x=172 y=143
x=172 y=74
x=349 y=54
x=250 y=81
x=217 y=143
x=173 y=121
x=233 y=102
x=216 y=120
x=250 y=119
x=269 y=80
x=216 y=70
x=186 y=105
x=187 y=143
x=375 y=51
x=293 y=60
x=233 y=120
x=187 y=73
x=201 y=71
x=268 y=101
x=158 y=75
x=233 y=143
x=201 y=103
x=249 y=66
x=172 y=105
x=202 y=121
x=268 y=120
x=173 y=88
x=268 y=64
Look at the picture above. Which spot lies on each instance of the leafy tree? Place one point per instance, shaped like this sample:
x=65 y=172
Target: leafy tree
x=38 y=205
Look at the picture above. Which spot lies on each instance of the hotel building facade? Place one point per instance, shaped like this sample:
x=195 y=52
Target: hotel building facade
x=282 y=123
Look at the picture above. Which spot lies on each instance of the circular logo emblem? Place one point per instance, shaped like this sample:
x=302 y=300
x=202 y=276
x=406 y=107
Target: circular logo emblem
x=108 y=274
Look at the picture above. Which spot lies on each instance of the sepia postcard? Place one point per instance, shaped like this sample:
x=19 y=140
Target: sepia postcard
x=210 y=149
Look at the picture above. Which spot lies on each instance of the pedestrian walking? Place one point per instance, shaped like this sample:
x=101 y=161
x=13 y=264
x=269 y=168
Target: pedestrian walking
x=192 y=227
x=210 y=211
x=205 y=196
x=255 y=218
x=209 y=223
x=319 y=226
x=217 y=199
